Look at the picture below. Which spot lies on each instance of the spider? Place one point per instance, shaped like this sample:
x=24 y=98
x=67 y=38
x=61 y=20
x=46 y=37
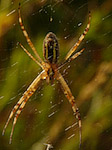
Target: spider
x=50 y=72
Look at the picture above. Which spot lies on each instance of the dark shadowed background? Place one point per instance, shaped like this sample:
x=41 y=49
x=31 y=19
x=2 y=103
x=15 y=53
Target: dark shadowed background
x=48 y=117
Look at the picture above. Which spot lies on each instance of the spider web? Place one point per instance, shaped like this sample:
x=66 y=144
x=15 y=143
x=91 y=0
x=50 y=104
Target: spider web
x=47 y=121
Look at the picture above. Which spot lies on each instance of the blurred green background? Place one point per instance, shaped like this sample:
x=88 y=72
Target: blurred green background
x=48 y=117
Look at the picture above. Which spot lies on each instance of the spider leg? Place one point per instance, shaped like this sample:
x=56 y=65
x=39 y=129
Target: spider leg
x=27 y=37
x=71 y=99
x=71 y=58
x=76 y=55
x=21 y=103
x=26 y=51
x=73 y=49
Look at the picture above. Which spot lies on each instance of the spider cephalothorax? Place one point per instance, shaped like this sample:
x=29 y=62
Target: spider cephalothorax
x=49 y=73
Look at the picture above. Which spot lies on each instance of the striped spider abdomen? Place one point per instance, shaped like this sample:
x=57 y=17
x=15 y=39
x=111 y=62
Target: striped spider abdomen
x=51 y=48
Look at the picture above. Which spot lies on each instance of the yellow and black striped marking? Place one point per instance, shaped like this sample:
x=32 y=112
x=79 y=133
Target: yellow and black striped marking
x=51 y=48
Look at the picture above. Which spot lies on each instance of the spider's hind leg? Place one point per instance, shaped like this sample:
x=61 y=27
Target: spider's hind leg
x=27 y=37
x=76 y=55
x=73 y=49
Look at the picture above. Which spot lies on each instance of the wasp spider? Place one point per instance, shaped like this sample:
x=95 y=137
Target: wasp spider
x=49 y=73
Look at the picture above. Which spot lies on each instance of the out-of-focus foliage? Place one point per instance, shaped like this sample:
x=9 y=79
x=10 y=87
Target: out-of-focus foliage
x=48 y=117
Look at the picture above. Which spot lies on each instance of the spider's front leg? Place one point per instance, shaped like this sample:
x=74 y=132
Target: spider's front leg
x=21 y=103
x=71 y=99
